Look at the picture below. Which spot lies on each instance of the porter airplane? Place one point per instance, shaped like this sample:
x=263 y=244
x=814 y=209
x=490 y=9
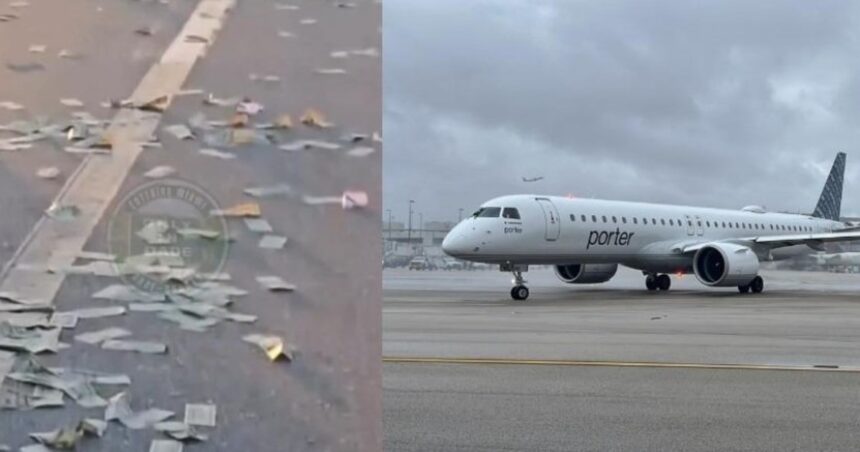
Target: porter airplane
x=586 y=239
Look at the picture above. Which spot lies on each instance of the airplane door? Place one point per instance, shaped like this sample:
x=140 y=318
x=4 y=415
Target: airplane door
x=699 y=229
x=690 y=228
x=550 y=215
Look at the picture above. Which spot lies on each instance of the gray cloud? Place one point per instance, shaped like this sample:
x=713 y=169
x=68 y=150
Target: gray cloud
x=707 y=103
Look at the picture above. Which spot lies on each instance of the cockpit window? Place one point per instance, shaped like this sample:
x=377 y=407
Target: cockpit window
x=511 y=213
x=489 y=212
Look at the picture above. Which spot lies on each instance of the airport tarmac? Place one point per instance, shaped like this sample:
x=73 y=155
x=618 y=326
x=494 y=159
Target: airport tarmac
x=613 y=366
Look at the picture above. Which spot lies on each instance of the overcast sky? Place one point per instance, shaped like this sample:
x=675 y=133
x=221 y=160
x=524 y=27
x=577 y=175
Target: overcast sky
x=719 y=104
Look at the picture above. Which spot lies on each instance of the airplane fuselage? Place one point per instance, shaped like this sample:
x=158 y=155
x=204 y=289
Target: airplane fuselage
x=558 y=230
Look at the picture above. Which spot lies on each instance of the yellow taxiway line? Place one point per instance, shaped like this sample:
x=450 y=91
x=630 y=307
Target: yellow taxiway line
x=570 y=362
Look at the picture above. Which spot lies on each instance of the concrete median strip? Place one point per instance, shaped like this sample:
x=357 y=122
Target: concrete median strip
x=585 y=363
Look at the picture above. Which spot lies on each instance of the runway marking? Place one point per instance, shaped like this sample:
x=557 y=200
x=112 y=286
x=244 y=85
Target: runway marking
x=584 y=363
x=96 y=181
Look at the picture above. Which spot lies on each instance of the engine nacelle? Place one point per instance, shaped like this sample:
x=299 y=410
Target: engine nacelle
x=586 y=273
x=725 y=264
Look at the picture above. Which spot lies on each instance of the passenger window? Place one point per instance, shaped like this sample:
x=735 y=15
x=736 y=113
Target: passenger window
x=663 y=222
x=490 y=212
x=645 y=221
x=614 y=220
x=594 y=218
x=700 y=223
x=724 y=224
x=604 y=218
x=624 y=220
x=690 y=223
x=671 y=222
x=737 y=225
x=514 y=214
x=654 y=221
x=635 y=220
x=680 y=223
x=573 y=218
x=582 y=217
x=708 y=223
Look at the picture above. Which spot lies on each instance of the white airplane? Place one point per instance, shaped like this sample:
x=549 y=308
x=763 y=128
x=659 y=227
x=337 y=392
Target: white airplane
x=586 y=239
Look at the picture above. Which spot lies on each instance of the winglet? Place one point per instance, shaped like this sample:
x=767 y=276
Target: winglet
x=830 y=201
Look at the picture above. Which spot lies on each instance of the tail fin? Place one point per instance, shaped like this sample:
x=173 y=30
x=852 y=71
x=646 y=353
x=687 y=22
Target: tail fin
x=830 y=201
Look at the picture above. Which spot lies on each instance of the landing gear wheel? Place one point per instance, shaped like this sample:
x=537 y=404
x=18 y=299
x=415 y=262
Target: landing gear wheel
x=663 y=282
x=520 y=292
x=757 y=284
x=744 y=289
x=651 y=282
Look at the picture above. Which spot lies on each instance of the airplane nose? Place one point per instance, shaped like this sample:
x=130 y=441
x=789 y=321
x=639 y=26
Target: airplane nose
x=455 y=244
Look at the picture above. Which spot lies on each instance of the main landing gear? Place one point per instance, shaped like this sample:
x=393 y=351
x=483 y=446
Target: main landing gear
x=755 y=286
x=658 y=282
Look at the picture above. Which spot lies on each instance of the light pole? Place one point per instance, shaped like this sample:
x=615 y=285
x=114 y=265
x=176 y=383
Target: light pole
x=389 y=224
x=409 y=234
x=421 y=226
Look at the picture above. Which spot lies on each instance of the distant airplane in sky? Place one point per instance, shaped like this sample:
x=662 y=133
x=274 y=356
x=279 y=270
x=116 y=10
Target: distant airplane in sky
x=532 y=179
x=586 y=239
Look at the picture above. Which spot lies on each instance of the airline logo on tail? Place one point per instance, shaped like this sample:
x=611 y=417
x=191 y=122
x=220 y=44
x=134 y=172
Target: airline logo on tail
x=831 y=196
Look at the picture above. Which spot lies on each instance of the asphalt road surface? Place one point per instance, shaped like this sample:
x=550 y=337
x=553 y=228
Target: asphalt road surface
x=803 y=320
x=328 y=397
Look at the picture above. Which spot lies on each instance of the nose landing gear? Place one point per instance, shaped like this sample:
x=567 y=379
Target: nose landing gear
x=519 y=291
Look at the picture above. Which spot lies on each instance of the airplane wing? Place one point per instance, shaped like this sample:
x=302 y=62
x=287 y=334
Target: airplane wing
x=778 y=241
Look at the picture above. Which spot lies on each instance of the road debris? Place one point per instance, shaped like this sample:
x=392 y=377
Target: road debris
x=119 y=409
x=275 y=283
x=216 y=153
x=94 y=427
x=95 y=313
x=272 y=242
x=63 y=213
x=339 y=54
x=259 y=225
x=309 y=144
x=135 y=346
x=273 y=346
x=285 y=7
x=8 y=17
x=268 y=192
x=49 y=172
x=180 y=131
x=123 y=292
x=11 y=106
x=200 y=414
x=96 y=337
x=66 y=320
x=372 y=52
x=315 y=118
x=37 y=48
x=285 y=34
x=145 y=31
x=72 y=102
x=362 y=151
x=249 y=107
x=34 y=340
x=330 y=71
x=159 y=172
x=349 y=200
x=24 y=68
x=196 y=39
x=63 y=438
x=68 y=54
x=180 y=431
x=308 y=21
x=165 y=445
x=208 y=234
x=248 y=209
x=212 y=100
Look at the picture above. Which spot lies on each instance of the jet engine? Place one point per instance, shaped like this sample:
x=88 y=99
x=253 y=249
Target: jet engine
x=585 y=273
x=725 y=264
